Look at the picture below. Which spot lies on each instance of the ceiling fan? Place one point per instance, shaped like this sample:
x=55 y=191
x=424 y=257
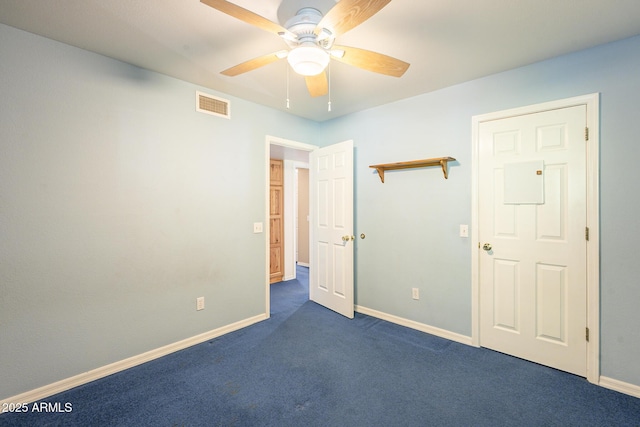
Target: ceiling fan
x=310 y=37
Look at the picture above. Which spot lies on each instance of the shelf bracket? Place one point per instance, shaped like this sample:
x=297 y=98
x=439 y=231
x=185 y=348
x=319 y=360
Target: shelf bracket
x=443 y=164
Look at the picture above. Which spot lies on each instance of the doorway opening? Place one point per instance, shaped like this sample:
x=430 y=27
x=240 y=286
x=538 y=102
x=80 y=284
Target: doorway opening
x=295 y=156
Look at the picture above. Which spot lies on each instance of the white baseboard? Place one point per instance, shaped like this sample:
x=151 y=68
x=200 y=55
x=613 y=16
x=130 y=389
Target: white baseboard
x=442 y=333
x=622 y=387
x=303 y=264
x=86 y=377
x=610 y=383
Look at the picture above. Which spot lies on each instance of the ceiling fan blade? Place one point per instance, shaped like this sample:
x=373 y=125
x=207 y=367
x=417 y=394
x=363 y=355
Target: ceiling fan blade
x=371 y=61
x=254 y=63
x=347 y=14
x=317 y=85
x=247 y=16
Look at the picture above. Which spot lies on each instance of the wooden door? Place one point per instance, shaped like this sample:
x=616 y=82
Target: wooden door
x=276 y=222
x=532 y=221
x=332 y=240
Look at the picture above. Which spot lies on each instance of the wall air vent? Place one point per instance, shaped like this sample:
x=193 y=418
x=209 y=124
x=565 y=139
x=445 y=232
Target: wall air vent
x=213 y=105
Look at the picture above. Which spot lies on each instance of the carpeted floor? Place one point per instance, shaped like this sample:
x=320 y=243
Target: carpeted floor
x=308 y=366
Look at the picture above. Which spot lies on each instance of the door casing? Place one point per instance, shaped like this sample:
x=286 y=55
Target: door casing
x=289 y=144
x=593 y=220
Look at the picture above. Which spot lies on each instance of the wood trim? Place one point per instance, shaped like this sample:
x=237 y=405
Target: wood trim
x=437 y=161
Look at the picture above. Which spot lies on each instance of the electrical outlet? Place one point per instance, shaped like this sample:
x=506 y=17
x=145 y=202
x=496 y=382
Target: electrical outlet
x=200 y=303
x=415 y=293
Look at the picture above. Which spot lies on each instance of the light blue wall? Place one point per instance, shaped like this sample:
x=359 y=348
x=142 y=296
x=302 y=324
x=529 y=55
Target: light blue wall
x=412 y=221
x=119 y=205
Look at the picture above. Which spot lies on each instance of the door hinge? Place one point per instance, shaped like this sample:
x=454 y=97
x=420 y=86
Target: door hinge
x=587 y=334
x=586 y=233
x=586 y=134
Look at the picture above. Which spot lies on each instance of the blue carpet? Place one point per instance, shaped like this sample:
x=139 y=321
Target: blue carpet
x=308 y=366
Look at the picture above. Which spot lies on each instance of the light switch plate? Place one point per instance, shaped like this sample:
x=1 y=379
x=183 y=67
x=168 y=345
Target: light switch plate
x=257 y=227
x=464 y=230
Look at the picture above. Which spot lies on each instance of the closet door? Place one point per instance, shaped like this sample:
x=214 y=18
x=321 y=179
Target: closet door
x=532 y=221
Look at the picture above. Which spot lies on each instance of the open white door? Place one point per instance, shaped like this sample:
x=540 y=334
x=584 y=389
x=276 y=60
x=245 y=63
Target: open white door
x=332 y=240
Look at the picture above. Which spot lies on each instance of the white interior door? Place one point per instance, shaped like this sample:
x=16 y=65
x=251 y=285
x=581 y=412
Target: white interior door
x=332 y=241
x=532 y=220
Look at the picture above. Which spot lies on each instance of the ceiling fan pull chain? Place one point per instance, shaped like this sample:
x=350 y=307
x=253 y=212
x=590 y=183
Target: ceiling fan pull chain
x=329 y=84
x=287 y=67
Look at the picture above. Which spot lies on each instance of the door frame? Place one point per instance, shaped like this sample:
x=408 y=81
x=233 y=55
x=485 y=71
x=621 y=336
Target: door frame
x=291 y=168
x=289 y=144
x=592 y=102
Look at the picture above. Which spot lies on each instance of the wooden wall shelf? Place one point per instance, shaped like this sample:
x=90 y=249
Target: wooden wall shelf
x=437 y=161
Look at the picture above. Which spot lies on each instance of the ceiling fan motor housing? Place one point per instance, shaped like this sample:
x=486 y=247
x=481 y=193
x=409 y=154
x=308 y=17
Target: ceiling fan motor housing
x=303 y=25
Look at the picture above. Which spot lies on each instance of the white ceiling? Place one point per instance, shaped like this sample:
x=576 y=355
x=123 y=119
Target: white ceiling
x=445 y=41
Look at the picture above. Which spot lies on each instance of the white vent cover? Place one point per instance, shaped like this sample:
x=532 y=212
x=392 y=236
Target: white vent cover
x=213 y=105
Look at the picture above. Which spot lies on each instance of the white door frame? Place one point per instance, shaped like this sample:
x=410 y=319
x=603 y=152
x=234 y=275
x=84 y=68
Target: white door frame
x=593 y=219
x=290 y=169
x=273 y=140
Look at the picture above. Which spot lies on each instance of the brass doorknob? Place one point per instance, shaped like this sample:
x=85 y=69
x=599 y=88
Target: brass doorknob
x=486 y=247
x=347 y=238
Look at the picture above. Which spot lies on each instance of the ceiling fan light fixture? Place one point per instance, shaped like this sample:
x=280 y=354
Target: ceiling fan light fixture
x=308 y=60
